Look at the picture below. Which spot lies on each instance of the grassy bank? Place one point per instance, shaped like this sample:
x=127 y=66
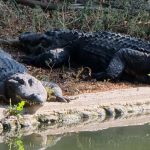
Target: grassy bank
x=132 y=19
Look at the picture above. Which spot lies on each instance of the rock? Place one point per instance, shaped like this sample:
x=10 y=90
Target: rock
x=28 y=121
x=1 y=128
x=48 y=119
x=10 y=123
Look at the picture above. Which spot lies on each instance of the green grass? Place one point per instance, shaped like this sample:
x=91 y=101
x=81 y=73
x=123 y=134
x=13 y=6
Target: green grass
x=16 y=109
x=16 y=18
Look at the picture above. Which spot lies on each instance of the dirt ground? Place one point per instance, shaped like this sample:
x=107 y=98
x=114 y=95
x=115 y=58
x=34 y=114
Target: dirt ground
x=72 y=86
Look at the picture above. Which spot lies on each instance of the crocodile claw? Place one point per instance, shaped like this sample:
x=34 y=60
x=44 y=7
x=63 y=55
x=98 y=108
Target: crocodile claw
x=62 y=99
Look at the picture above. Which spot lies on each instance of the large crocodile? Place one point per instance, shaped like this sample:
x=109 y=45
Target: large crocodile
x=17 y=84
x=110 y=55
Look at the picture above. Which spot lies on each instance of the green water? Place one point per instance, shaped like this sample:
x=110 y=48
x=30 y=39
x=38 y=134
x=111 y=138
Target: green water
x=122 y=138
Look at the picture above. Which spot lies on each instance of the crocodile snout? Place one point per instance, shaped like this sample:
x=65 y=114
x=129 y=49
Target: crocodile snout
x=29 y=37
x=36 y=98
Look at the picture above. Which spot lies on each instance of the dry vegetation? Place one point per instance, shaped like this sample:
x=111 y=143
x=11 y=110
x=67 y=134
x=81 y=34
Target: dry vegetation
x=15 y=19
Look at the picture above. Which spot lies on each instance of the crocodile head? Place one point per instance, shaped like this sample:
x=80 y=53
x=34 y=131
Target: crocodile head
x=25 y=87
x=58 y=38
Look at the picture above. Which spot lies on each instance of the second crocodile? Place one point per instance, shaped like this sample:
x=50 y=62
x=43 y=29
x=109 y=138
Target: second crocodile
x=109 y=55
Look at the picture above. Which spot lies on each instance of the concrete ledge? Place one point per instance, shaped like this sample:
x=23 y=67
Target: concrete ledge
x=87 y=112
x=128 y=96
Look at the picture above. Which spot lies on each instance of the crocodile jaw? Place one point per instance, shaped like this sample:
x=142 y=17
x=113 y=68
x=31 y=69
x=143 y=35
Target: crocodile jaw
x=22 y=86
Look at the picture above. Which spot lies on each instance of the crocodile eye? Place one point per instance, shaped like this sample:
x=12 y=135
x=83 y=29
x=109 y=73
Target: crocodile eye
x=21 y=81
x=30 y=81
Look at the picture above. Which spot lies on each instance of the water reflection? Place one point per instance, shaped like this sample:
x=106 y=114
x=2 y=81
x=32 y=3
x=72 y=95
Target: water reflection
x=121 y=138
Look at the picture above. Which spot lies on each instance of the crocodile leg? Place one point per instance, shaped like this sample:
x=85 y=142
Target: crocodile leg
x=51 y=58
x=116 y=66
x=57 y=91
x=114 y=69
x=131 y=61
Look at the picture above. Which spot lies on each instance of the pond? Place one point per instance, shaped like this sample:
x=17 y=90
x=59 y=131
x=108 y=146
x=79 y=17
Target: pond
x=120 y=138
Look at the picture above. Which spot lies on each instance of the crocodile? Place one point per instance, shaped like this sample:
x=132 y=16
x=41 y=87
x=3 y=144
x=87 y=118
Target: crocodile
x=16 y=84
x=110 y=55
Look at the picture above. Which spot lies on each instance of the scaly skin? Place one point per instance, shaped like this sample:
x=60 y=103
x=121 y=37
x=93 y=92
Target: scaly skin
x=109 y=55
x=16 y=84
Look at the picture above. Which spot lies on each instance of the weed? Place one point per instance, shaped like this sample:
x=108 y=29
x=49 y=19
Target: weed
x=16 y=143
x=16 y=109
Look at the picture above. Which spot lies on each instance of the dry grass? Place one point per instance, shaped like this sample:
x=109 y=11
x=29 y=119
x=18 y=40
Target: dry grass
x=15 y=19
